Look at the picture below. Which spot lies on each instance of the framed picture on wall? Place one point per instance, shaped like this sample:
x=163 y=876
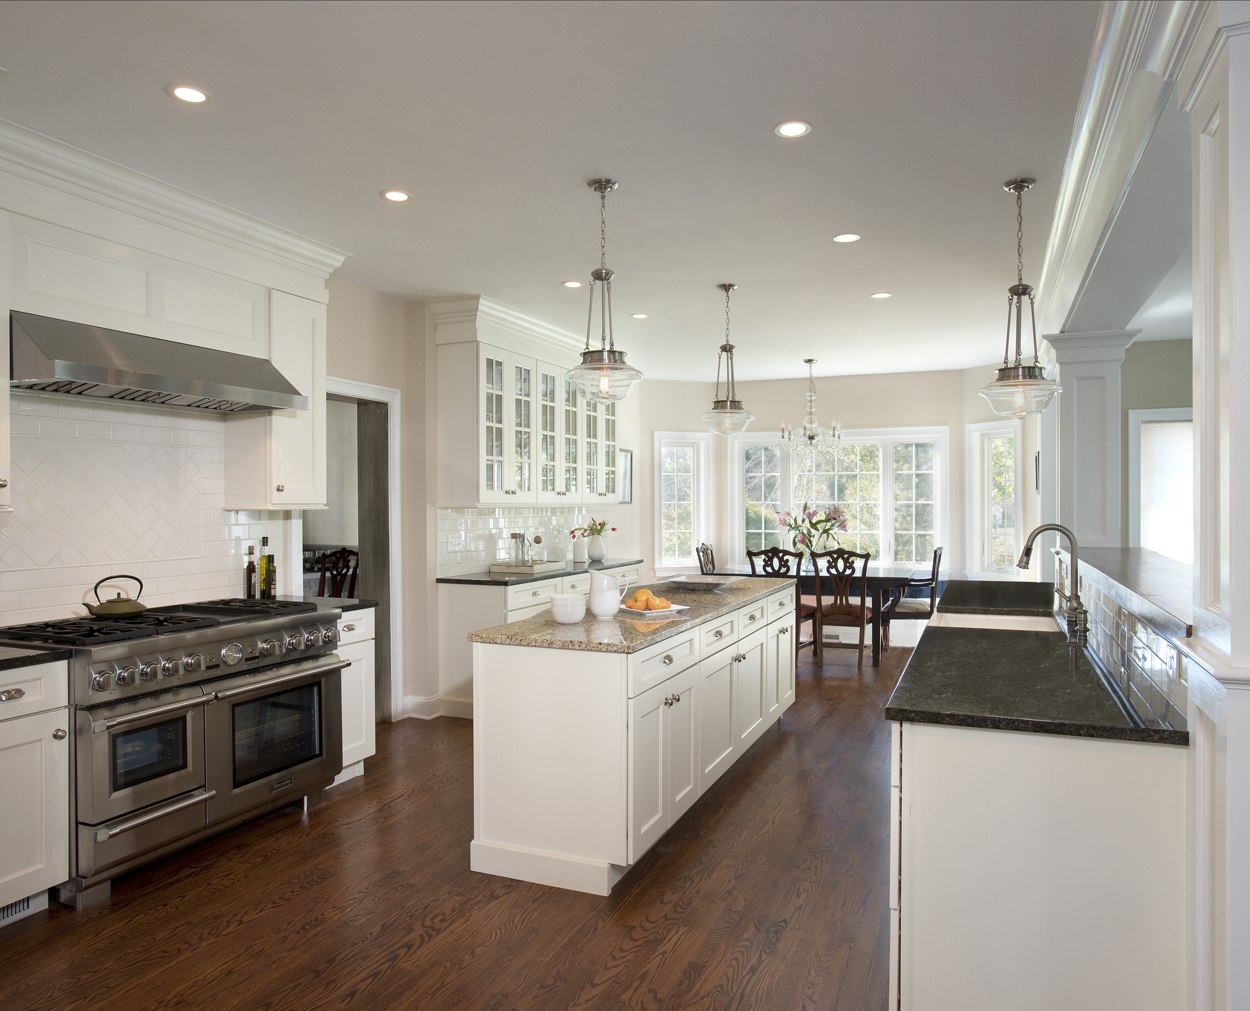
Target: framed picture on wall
x=625 y=473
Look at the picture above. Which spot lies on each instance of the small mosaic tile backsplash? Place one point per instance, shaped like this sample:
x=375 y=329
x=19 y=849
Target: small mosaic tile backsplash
x=101 y=488
x=470 y=539
x=1150 y=671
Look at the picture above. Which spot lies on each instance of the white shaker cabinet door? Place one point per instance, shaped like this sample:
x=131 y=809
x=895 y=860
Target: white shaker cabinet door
x=34 y=795
x=298 y=339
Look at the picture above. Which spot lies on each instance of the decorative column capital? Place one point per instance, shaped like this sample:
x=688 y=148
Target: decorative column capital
x=1097 y=346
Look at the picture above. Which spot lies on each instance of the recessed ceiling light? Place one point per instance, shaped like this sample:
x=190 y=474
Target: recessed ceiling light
x=882 y=294
x=847 y=237
x=188 y=93
x=792 y=128
x=640 y=315
x=572 y=284
x=396 y=196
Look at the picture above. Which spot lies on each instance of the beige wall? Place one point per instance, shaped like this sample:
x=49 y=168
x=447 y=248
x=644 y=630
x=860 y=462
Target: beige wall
x=903 y=400
x=1154 y=374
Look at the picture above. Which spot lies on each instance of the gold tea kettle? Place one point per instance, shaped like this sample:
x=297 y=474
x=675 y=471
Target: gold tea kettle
x=118 y=606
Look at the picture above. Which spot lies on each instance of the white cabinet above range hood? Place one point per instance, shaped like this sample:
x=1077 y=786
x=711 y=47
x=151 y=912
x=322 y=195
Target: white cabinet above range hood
x=58 y=356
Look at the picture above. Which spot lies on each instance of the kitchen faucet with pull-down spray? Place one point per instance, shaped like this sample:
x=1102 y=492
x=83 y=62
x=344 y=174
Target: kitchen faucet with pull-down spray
x=1074 y=611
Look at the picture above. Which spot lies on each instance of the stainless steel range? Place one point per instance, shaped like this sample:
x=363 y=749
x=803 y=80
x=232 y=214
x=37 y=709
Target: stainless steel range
x=190 y=719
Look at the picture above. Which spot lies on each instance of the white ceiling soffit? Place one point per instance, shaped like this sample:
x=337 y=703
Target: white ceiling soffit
x=493 y=116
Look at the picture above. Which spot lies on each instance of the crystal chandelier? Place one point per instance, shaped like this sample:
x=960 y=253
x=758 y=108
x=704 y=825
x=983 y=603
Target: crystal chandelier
x=812 y=434
x=1019 y=389
x=727 y=415
x=603 y=375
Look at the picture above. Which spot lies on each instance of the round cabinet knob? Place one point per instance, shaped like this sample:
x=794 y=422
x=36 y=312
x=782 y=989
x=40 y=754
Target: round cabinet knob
x=294 y=640
x=150 y=670
x=194 y=663
x=719 y=634
x=4 y=482
x=171 y=667
x=127 y=676
x=102 y=681
x=329 y=634
x=312 y=638
x=232 y=654
x=59 y=734
x=273 y=647
x=668 y=659
x=752 y=617
x=280 y=488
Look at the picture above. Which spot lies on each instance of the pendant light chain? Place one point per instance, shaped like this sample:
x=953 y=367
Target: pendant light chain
x=1019 y=236
x=728 y=289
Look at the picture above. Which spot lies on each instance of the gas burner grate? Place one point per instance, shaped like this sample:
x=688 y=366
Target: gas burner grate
x=245 y=607
x=98 y=631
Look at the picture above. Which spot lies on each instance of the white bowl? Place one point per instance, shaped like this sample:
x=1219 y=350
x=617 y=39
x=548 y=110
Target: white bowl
x=568 y=608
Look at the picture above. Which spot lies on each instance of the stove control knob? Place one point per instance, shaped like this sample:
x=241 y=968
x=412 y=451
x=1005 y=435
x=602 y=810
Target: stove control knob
x=102 y=681
x=171 y=667
x=312 y=638
x=193 y=663
x=150 y=670
x=232 y=654
x=127 y=676
x=330 y=634
x=294 y=640
x=273 y=647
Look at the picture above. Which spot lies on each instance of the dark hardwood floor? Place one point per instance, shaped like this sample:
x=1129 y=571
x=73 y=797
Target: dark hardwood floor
x=771 y=893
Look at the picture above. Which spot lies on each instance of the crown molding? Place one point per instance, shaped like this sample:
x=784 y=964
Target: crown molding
x=47 y=163
x=1139 y=49
x=478 y=318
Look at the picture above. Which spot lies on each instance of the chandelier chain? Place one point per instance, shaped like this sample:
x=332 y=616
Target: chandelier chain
x=603 y=227
x=1019 y=236
x=727 y=291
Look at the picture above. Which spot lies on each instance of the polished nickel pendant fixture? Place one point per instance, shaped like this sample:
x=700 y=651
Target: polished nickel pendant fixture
x=1018 y=389
x=727 y=415
x=811 y=434
x=603 y=375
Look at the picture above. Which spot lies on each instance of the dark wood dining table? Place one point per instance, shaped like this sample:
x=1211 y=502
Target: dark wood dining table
x=882 y=577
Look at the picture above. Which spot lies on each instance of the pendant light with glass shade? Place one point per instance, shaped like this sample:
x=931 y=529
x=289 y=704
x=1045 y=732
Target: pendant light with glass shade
x=811 y=434
x=727 y=416
x=1018 y=389
x=603 y=376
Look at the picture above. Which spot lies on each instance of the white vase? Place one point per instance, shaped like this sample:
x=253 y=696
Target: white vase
x=595 y=549
x=579 y=549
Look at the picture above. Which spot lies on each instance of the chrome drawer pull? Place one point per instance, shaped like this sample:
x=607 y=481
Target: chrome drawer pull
x=12 y=694
x=668 y=659
x=752 y=617
x=106 y=832
x=719 y=634
x=349 y=628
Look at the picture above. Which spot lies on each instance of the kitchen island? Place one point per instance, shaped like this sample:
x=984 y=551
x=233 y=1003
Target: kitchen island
x=591 y=739
x=1038 y=827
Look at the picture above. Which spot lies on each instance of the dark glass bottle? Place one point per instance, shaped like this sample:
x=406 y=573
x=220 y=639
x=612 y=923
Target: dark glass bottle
x=250 y=572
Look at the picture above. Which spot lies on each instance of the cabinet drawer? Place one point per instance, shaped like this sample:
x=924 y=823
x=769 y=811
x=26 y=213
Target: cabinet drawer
x=659 y=662
x=356 y=626
x=26 y=690
x=529 y=594
x=780 y=605
x=755 y=616
x=576 y=584
x=718 y=632
x=532 y=611
x=633 y=574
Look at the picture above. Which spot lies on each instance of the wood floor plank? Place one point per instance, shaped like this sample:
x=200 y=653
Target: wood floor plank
x=770 y=893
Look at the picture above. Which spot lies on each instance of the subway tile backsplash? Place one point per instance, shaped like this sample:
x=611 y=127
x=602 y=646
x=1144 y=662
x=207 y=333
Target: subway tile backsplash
x=470 y=539
x=100 y=489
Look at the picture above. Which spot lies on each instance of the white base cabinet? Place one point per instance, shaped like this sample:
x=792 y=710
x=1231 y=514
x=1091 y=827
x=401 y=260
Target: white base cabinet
x=1034 y=872
x=34 y=780
x=582 y=760
x=356 y=644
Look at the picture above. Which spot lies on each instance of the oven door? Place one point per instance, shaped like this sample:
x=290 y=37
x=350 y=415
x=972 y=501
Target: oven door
x=273 y=736
x=134 y=754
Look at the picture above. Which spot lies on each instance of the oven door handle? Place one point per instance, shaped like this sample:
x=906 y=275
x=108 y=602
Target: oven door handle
x=147 y=714
x=264 y=686
x=106 y=832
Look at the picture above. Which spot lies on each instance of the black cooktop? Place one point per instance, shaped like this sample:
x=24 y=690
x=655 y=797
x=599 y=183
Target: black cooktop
x=241 y=606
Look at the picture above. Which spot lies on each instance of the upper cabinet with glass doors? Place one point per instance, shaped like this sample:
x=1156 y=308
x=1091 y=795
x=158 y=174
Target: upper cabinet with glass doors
x=598 y=452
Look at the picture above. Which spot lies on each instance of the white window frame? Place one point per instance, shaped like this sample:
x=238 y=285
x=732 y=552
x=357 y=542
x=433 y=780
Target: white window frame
x=1136 y=418
x=702 y=445
x=977 y=437
x=938 y=434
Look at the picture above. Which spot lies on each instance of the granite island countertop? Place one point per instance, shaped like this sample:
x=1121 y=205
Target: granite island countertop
x=626 y=633
x=513 y=579
x=1016 y=680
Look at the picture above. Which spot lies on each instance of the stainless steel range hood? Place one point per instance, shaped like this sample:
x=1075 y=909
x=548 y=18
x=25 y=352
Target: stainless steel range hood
x=57 y=356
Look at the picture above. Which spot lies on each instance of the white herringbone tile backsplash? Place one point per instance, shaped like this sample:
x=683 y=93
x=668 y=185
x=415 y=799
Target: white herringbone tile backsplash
x=100 y=489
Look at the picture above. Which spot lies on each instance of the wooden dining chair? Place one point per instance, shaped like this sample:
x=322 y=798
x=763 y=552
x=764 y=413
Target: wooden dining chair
x=338 y=573
x=901 y=607
x=780 y=562
x=841 y=596
x=707 y=560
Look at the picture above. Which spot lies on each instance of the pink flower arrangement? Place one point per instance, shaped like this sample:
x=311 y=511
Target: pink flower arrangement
x=595 y=528
x=815 y=529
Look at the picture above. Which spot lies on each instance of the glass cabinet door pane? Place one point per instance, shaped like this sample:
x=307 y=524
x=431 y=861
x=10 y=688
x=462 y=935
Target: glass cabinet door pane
x=547 y=432
x=493 y=418
x=523 y=427
x=572 y=441
x=591 y=446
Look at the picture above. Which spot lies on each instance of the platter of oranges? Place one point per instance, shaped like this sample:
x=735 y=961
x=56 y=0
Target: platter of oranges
x=643 y=601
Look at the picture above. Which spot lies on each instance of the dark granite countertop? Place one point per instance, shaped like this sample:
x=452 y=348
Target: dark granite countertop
x=1147 y=583
x=504 y=579
x=344 y=603
x=23 y=656
x=975 y=596
x=1005 y=679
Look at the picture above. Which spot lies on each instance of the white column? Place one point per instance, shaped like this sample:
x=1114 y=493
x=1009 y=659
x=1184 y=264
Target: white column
x=1089 y=433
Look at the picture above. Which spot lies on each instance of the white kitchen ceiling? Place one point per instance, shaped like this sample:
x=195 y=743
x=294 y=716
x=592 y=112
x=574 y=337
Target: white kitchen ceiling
x=494 y=115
